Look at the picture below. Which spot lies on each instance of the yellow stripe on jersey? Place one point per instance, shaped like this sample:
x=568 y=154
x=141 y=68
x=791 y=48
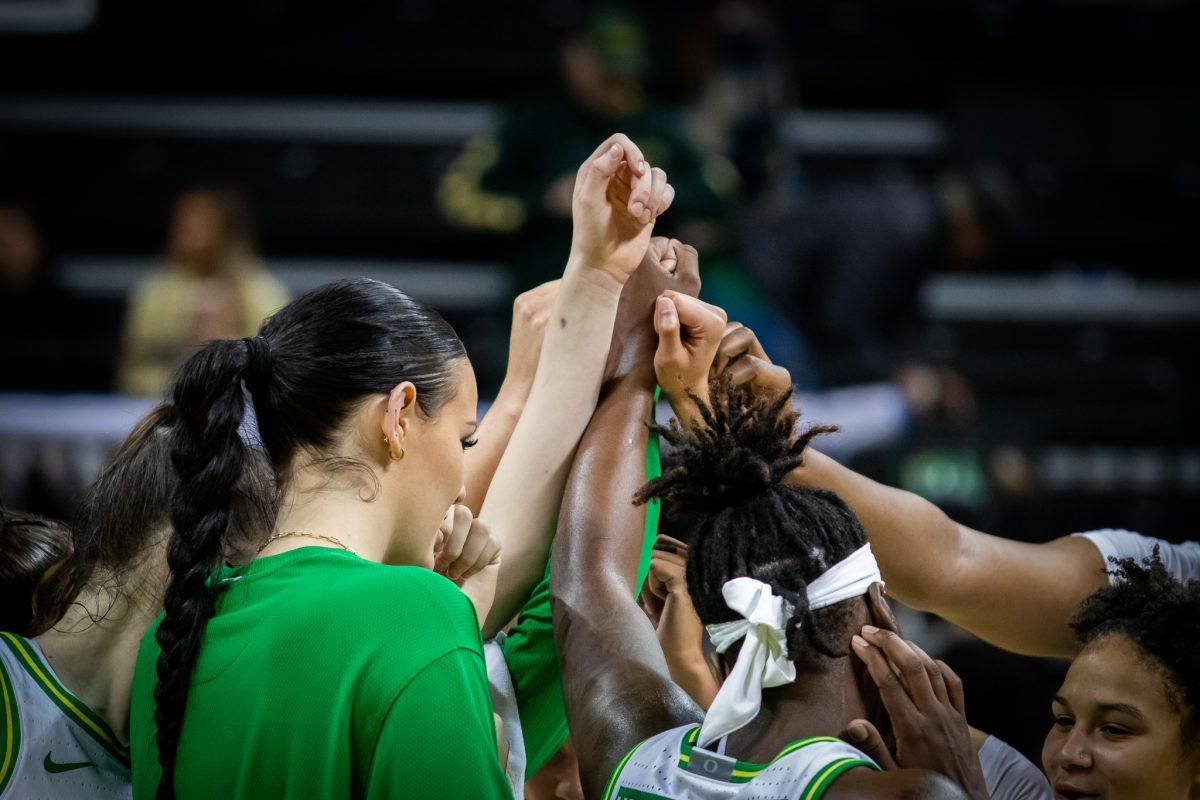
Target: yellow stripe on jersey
x=73 y=707
x=818 y=785
x=11 y=729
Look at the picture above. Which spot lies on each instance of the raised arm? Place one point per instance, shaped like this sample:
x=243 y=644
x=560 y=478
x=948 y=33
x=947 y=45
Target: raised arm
x=617 y=197
x=531 y=311
x=1015 y=595
x=616 y=685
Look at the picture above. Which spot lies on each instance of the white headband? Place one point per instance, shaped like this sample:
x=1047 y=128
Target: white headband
x=763 y=661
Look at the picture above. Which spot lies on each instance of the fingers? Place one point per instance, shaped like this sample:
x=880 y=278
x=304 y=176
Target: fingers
x=701 y=319
x=639 y=195
x=465 y=564
x=659 y=252
x=455 y=527
x=863 y=735
x=954 y=688
x=668 y=198
x=891 y=690
x=738 y=341
x=666 y=325
x=597 y=171
x=670 y=544
x=907 y=661
x=934 y=672
x=688 y=260
x=658 y=186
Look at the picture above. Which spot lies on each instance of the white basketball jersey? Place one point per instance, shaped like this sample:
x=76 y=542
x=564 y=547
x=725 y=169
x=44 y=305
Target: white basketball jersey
x=52 y=746
x=670 y=767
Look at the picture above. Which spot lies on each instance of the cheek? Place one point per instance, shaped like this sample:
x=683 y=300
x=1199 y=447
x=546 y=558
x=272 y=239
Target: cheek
x=1050 y=748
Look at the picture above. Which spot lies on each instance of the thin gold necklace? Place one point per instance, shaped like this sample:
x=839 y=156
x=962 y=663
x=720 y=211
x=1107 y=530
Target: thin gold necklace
x=309 y=534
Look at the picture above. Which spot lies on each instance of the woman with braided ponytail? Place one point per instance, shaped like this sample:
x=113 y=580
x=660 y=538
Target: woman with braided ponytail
x=322 y=667
x=782 y=576
x=76 y=601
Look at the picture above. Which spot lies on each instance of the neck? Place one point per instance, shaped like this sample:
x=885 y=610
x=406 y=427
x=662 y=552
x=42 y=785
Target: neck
x=337 y=511
x=95 y=660
x=817 y=703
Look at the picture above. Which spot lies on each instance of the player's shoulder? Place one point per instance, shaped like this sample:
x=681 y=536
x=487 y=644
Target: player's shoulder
x=388 y=595
x=862 y=783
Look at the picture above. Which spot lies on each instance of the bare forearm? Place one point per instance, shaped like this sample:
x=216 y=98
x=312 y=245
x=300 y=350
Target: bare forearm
x=907 y=532
x=616 y=683
x=495 y=431
x=1016 y=595
x=526 y=488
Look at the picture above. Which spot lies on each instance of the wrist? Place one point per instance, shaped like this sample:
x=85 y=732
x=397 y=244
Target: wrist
x=513 y=394
x=600 y=278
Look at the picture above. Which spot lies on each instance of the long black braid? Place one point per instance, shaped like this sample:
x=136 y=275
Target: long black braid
x=208 y=456
x=747 y=522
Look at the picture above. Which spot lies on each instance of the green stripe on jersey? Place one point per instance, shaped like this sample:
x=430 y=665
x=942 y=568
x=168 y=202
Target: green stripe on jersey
x=816 y=788
x=75 y=709
x=617 y=772
x=626 y=793
x=10 y=729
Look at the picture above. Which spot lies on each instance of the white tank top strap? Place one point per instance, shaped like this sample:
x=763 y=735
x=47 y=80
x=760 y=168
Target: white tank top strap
x=669 y=766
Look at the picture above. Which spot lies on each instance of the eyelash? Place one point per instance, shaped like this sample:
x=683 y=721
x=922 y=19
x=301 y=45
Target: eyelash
x=467 y=444
x=1063 y=720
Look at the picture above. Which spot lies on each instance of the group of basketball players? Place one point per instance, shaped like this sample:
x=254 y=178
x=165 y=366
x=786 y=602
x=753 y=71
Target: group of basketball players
x=293 y=580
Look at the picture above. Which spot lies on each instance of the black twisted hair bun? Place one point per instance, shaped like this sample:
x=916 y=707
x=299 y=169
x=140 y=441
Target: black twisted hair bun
x=729 y=478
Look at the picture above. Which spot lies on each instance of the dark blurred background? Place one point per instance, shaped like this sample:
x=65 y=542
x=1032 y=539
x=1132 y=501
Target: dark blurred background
x=969 y=228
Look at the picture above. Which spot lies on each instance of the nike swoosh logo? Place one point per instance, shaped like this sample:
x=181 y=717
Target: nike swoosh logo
x=53 y=766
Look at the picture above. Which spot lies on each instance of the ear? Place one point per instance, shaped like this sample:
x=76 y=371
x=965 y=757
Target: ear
x=398 y=417
x=880 y=610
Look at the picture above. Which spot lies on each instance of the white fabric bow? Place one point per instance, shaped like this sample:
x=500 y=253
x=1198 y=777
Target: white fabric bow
x=763 y=661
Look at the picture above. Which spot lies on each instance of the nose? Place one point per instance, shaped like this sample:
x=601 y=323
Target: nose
x=1075 y=753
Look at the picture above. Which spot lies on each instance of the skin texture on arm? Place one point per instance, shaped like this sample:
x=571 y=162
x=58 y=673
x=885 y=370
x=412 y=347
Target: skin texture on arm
x=531 y=310
x=1015 y=595
x=617 y=197
x=616 y=685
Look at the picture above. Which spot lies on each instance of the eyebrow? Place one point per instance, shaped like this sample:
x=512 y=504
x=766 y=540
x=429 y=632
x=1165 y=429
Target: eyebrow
x=1123 y=708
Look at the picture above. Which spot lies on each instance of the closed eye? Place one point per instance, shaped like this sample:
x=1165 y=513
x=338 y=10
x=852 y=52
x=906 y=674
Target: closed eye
x=467 y=444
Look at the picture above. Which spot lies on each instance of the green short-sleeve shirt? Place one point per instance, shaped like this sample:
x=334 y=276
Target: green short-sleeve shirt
x=326 y=675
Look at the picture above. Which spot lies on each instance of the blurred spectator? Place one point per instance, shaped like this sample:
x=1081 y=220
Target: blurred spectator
x=38 y=318
x=520 y=181
x=746 y=94
x=212 y=286
x=847 y=258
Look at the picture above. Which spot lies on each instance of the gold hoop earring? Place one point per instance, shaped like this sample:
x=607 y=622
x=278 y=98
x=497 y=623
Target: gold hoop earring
x=388 y=443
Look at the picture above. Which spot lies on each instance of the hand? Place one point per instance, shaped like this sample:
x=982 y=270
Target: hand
x=680 y=632
x=741 y=359
x=667 y=264
x=617 y=197
x=689 y=333
x=531 y=309
x=465 y=546
x=924 y=699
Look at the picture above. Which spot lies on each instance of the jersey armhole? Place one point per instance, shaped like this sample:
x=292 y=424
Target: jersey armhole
x=10 y=728
x=617 y=770
x=820 y=783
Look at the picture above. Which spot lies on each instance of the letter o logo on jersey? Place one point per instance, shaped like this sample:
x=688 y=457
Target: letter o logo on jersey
x=711 y=765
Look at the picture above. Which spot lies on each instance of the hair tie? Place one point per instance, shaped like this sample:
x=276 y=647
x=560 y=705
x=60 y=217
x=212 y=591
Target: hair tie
x=763 y=661
x=259 y=360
